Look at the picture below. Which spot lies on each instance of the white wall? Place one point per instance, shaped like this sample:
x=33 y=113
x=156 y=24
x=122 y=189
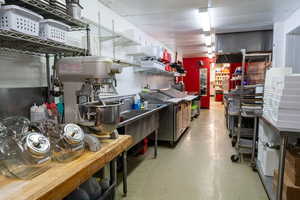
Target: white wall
x=279 y=45
x=287 y=41
x=131 y=82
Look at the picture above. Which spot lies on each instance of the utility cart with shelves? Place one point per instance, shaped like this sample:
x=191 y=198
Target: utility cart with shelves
x=250 y=107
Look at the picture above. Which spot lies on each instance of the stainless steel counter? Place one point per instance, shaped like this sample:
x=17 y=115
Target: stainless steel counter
x=142 y=123
x=134 y=115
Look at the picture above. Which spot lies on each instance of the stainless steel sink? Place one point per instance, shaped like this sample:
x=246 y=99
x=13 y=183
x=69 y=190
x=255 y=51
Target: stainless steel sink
x=154 y=106
x=131 y=114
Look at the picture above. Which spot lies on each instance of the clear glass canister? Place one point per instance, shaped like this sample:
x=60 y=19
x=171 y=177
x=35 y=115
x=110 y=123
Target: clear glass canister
x=69 y=145
x=3 y=137
x=16 y=126
x=25 y=157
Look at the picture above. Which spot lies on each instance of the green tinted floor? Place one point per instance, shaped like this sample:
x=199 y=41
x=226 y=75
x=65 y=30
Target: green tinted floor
x=198 y=168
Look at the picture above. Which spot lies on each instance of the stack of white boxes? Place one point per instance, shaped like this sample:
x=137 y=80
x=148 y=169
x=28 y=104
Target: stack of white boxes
x=282 y=98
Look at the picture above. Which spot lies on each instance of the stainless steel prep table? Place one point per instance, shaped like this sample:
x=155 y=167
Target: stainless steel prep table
x=143 y=125
x=284 y=134
x=176 y=118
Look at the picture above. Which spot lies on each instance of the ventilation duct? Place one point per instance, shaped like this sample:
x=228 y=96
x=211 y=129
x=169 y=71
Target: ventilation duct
x=254 y=41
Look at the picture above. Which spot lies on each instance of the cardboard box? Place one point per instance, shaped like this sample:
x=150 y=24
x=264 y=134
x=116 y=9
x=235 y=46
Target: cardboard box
x=290 y=191
x=292 y=166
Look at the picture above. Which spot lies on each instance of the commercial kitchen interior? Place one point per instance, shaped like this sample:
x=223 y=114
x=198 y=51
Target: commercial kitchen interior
x=160 y=100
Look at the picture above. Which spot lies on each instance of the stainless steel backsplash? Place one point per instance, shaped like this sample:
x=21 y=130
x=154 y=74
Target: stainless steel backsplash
x=17 y=101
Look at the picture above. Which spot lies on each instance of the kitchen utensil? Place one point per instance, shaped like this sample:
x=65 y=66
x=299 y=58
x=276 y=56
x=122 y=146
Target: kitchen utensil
x=74 y=8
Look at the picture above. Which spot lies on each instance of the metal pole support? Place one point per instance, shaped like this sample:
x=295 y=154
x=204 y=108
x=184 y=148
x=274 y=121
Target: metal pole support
x=48 y=75
x=254 y=143
x=88 y=40
x=124 y=159
x=155 y=143
x=113 y=176
x=283 y=145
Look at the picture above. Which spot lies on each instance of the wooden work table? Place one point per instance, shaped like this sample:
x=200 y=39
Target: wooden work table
x=62 y=178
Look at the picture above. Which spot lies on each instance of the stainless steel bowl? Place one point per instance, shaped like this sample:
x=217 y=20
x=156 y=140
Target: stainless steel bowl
x=102 y=118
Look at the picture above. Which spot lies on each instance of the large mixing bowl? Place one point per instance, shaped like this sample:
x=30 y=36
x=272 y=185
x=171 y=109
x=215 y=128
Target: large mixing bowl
x=104 y=119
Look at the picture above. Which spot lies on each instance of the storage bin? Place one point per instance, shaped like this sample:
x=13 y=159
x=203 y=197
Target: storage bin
x=54 y=30
x=19 y=19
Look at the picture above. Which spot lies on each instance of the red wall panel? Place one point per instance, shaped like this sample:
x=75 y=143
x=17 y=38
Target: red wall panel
x=192 y=78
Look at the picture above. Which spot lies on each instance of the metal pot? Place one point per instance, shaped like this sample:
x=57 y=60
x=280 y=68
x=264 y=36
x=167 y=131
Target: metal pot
x=74 y=9
x=105 y=118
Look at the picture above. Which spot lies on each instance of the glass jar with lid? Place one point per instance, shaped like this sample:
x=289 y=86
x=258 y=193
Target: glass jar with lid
x=24 y=153
x=16 y=126
x=25 y=157
x=67 y=141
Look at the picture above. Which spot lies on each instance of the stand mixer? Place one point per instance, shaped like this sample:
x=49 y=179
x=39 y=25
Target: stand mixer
x=88 y=82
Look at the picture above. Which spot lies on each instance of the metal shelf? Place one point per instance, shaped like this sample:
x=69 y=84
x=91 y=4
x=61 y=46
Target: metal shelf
x=48 y=11
x=108 y=38
x=125 y=63
x=124 y=41
x=27 y=43
x=155 y=71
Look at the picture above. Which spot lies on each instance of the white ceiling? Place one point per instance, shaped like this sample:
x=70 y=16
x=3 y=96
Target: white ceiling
x=177 y=23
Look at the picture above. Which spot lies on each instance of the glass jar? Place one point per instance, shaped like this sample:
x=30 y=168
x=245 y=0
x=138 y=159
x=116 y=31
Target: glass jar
x=3 y=135
x=67 y=143
x=16 y=126
x=26 y=157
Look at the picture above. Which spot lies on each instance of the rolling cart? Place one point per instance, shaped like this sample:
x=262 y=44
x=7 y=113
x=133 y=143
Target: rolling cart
x=251 y=106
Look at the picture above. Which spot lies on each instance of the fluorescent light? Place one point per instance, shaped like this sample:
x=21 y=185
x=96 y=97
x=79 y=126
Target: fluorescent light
x=209 y=50
x=205 y=20
x=208 y=40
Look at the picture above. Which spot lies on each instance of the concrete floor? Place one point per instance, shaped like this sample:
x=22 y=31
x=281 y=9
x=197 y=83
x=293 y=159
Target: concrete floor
x=198 y=168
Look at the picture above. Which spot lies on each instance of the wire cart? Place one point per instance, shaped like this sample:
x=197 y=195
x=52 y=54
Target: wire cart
x=250 y=108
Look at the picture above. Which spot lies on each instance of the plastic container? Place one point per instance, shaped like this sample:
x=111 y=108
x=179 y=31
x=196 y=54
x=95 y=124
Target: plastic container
x=38 y=113
x=74 y=9
x=19 y=19
x=54 y=30
x=137 y=102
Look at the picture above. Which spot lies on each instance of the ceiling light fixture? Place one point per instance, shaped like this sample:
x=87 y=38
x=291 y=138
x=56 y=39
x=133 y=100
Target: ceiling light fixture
x=205 y=19
x=209 y=50
x=208 y=40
